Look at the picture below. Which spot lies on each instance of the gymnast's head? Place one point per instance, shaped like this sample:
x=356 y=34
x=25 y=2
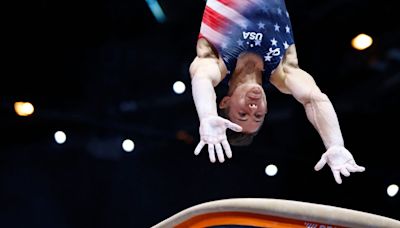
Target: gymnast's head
x=245 y=103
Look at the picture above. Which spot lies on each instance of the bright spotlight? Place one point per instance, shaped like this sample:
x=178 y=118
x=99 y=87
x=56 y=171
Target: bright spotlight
x=128 y=145
x=60 y=137
x=23 y=108
x=392 y=190
x=361 y=41
x=271 y=170
x=179 y=87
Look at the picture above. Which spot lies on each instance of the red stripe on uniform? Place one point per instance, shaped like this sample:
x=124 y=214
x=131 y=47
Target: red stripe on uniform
x=237 y=5
x=214 y=20
x=230 y=3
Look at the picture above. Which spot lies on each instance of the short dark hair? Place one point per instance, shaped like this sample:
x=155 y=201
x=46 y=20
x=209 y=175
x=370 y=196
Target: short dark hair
x=237 y=138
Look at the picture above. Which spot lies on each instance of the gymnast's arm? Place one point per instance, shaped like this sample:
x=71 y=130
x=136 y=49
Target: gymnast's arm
x=205 y=72
x=205 y=75
x=320 y=113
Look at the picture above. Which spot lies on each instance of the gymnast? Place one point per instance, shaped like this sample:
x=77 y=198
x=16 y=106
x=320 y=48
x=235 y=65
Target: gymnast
x=247 y=45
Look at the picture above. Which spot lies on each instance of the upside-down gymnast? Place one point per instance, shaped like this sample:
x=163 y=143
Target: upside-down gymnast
x=247 y=45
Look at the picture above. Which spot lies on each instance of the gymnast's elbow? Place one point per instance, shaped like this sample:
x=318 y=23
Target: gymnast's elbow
x=314 y=96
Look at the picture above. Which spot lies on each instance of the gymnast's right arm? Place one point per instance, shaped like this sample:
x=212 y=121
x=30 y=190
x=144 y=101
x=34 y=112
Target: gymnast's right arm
x=205 y=75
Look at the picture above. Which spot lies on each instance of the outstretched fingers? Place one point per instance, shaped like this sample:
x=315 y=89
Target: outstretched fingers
x=359 y=168
x=199 y=147
x=220 y=153
x=353 y=167
x=227 y=148
x=321 y=163
x=336 y=175
x=215 y=150
x=233 y=126
x=211 y=152
x=344 y=172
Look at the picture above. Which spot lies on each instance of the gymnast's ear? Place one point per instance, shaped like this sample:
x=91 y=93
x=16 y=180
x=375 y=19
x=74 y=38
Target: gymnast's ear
x=224 y=102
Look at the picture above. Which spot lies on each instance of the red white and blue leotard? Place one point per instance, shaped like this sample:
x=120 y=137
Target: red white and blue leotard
x=258 y=26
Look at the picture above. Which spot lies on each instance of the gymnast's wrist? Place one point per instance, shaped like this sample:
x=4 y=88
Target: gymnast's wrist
x=207 y=116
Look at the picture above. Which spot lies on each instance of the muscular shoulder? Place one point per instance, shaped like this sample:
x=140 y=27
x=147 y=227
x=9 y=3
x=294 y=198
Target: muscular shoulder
x=205 y=50
x=289 y=62
x=207 y=62
x=290 y=59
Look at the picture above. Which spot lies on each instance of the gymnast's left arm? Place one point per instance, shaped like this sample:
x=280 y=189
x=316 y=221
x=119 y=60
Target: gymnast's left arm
x=321 y=114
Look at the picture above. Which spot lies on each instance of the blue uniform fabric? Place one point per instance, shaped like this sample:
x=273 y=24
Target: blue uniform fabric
x=268 y=34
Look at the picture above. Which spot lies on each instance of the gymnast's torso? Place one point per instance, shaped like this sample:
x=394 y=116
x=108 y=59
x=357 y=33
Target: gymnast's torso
x=233 y=27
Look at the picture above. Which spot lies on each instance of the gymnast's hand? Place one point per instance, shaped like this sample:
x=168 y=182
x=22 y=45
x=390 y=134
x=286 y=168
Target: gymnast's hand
x=213 y=132
x=341 y=162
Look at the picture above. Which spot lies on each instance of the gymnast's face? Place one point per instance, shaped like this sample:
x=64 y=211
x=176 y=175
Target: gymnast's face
x=247 y=107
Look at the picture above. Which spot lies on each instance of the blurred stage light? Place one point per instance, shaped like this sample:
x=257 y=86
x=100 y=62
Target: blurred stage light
x=128 y=145
x=184 y=136
x=60 y=137
x=179 y=87
x=23 y=108
x=271 y=170
x=361 y=42
x=392 y=190
x=156 y=10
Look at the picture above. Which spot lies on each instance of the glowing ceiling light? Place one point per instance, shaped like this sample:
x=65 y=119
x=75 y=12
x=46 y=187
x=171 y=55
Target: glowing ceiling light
x=392 y=190
x=361 y=41
x=128 y=145
x=60 y=137
x=23 y=108
x=156 y=10
x=179 y=87
x=271 y=170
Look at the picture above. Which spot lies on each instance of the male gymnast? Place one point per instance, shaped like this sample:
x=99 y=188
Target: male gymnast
x=247 y=45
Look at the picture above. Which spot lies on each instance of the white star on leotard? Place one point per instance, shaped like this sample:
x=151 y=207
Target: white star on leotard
x=287 y=29
x=267 y=58
x=274 y=42
x=285 y=44
x=277 y=27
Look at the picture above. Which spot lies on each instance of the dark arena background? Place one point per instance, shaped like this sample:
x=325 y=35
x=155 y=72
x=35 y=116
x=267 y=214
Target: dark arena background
x=110 y=142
